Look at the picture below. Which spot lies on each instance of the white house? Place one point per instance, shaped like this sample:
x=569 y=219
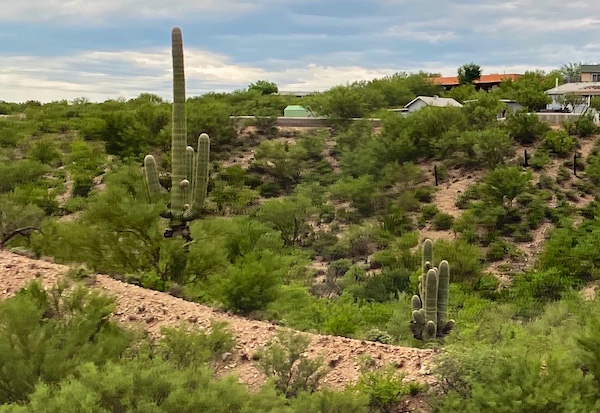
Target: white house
x=422 y=101
x=583 y=89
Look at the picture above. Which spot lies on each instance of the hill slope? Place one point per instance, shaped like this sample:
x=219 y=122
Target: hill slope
x=152 y=310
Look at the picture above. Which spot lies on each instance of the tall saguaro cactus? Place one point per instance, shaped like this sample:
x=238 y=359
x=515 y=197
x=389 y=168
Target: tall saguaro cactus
x=189 y=174
x=430 y=307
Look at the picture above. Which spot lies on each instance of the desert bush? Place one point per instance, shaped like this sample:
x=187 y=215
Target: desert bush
x=284 y=360
x=380 y=287
x=396 y=221
x=525 y=128
x=20 y=172
x=585 y=126
x=464 y=259
x=46 y=335
x=559 y=142
x=480 y=380
x=288 y=216
x=496 y=251
x=384 y=387
x=186 y=347
x=379 y=336
x=503 y=184
x=44 y=151
x=540 y=159
x=442 y=221
x=252 y=282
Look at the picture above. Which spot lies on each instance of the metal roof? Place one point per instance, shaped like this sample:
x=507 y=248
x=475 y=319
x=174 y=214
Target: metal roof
x=435 y=101
x=578 y=88
x=590 y=68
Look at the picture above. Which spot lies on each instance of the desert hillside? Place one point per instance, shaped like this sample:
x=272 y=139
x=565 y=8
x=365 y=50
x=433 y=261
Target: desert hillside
x=319 y=231
x=150 y=310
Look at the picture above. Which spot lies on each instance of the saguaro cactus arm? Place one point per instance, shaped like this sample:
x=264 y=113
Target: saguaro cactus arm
x=151 y=173
x=200 y=179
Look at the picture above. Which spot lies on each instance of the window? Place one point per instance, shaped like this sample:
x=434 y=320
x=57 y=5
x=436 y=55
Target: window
x=595 y=77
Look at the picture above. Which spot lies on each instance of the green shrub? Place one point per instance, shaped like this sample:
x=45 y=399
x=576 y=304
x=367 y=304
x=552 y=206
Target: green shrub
x=559 y=142
x=383 y=286
x=20 y=172
x=339 y=267
x=284 y=360
x=46 y=335
x=496 y=251
x=524 y=127
x=44 y=151
x=396 y=221
x=540 y=159
x=442 y=221
x=429 y=211
x=545 y=182
x=341 y=323
x=464 y=259
x=547 y=285
x=500 y=381
x=384 y=388
x=270 y=190
x=252 y=283
x=585 y=126
x=184 y=347
x=425 y=194
x=82 y=185
x=379 y=336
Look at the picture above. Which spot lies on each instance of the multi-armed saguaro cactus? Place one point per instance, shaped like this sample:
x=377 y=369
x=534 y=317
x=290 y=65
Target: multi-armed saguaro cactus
x=189 y=175
x=430 y=307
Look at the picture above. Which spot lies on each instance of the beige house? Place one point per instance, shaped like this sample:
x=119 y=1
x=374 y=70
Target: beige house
x=590 y=73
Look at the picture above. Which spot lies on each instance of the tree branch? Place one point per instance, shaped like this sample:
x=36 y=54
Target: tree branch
x=25 y=231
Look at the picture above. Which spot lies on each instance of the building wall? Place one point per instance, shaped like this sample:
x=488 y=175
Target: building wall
x=586 y=77
x=296 y=113
x=558 y=118
x=418 y=104
x=513 y=106
x=298 y=122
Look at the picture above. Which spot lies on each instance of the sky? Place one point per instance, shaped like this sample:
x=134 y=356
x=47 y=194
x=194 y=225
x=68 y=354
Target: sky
x=105 y=49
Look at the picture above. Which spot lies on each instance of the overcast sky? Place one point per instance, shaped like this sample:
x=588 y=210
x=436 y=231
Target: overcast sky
x=103 y=49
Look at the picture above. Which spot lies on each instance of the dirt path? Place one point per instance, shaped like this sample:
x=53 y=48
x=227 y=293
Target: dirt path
x=447 y=192
x=151 y=310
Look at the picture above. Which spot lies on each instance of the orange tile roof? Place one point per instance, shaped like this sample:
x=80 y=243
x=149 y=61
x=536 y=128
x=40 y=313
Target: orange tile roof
x=493 y=78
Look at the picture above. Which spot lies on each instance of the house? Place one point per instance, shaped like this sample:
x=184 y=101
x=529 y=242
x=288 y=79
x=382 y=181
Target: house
x=582 y=92
x=485 y=82
x=296 y=111
x=510 y=106
x=294 y=93
x=421 y=101
x=590 y=73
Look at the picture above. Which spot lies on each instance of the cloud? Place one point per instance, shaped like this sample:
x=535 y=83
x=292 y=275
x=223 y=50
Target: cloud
x=100 y=75
x=427 y=36
x=541 y=25
x=103 y=49
x=102 y=11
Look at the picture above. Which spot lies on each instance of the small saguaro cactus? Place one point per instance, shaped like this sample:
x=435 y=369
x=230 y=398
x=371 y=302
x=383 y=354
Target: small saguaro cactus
x=189 y=175
x=430 y=306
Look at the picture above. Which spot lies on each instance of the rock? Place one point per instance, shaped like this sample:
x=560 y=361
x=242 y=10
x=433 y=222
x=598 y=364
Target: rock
x=335 y=361
x=226 y=356
x=424 y=371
